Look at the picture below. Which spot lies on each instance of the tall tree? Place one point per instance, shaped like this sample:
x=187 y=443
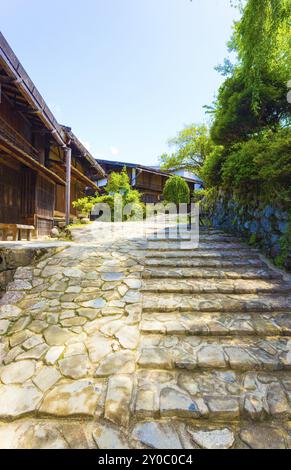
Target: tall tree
x=263 y=42
x=253 y=95
x=192 y=145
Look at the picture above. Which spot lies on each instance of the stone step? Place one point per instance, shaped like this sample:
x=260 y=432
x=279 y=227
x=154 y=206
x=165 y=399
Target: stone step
x=175 y=434
x=205 y=263
x=196 y=352
x=210 y=273
x=155 y=433
x=245 y=253
x=219 y=395
x=173 y=236
x=217 y=324
x=192 y=286
x=172 y=226
x=215 y=303
x=211 y=231
x=164 y=245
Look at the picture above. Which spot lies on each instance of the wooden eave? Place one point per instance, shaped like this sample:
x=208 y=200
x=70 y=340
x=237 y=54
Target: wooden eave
x=61 y=167
x=80 y=176
x=17 y=86
x=19 y=154
x=83 y=151
x=25 y=93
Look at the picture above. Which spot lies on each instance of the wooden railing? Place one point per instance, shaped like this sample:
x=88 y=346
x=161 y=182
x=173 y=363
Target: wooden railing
x=8 y=132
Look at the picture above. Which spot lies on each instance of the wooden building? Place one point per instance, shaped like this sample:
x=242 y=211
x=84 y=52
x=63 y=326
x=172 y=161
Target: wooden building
x=84 y=171
x=41 y=162
x=148 y=180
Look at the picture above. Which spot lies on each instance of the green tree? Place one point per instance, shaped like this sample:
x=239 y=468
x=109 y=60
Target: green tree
x=119 y=185
x=253 y=96
x=176 y=190
x=192 y=145
x=236 y=119
x=118 y=182
x=263 y=42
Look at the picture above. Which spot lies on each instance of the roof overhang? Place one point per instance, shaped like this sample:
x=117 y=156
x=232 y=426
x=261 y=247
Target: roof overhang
x=83 y=151
x=81 y=177
x=61 y=168
x=21 y=81
x=10 y=149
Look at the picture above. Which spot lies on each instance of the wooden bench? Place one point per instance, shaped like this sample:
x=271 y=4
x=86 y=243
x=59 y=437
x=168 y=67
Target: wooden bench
x=16 y=231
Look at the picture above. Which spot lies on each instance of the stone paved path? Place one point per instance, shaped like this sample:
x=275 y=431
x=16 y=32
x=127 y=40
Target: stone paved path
x=120 y=342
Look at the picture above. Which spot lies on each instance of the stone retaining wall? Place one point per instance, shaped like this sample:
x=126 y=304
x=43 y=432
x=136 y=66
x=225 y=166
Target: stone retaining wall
x=263 y=226
x=13 y=258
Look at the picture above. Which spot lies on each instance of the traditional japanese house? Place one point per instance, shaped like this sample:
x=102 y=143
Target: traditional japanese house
x=84 y=172
x=150 y=181
x=43 y=166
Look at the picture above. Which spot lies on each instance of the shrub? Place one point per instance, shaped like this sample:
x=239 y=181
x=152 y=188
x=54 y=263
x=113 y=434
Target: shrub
x=285 y=244
x=260 y=169
x=84 y=205
x=118 y=183
x=176 y=190
x=211 y=170
x=198 y=195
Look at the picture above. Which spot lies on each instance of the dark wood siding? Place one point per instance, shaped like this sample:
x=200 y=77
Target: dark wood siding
x=27 y=198
x=10 y=188
x=17 y=194
x=45 y=202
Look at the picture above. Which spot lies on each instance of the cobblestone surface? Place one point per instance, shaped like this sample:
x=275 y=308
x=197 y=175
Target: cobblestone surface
x=121 y=342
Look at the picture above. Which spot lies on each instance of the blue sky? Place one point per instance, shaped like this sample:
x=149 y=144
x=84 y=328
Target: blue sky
x=126 y=75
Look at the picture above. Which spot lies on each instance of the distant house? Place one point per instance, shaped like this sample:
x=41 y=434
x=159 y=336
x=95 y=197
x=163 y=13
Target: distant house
x=43 y=166
x=150 y=181
x=187 y=174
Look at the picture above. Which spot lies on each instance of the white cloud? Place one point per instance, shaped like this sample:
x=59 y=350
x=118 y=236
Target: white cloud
x=114 y=151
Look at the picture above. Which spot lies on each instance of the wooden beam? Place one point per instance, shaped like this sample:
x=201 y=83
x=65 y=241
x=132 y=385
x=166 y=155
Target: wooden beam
x=27 y=160
x=6 y=79
x=68 y=152
x=81 y=177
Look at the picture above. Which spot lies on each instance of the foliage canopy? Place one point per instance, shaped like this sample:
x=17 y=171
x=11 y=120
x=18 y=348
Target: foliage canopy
x=192 y=145
x=251 y=116
x=253 y=97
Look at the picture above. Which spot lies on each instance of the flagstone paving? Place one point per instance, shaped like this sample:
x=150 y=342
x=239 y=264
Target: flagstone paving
x=116 y=341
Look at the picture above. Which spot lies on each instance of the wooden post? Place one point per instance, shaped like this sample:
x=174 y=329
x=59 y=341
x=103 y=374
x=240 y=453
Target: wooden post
x=68 y=184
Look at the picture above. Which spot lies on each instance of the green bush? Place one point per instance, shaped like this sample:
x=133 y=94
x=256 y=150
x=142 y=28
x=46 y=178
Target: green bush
x=260 y=169
x=84 y=205
x=198 y=195
x=285 y=245
x=211 y=170
x=176 y=190
x=255 y=171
